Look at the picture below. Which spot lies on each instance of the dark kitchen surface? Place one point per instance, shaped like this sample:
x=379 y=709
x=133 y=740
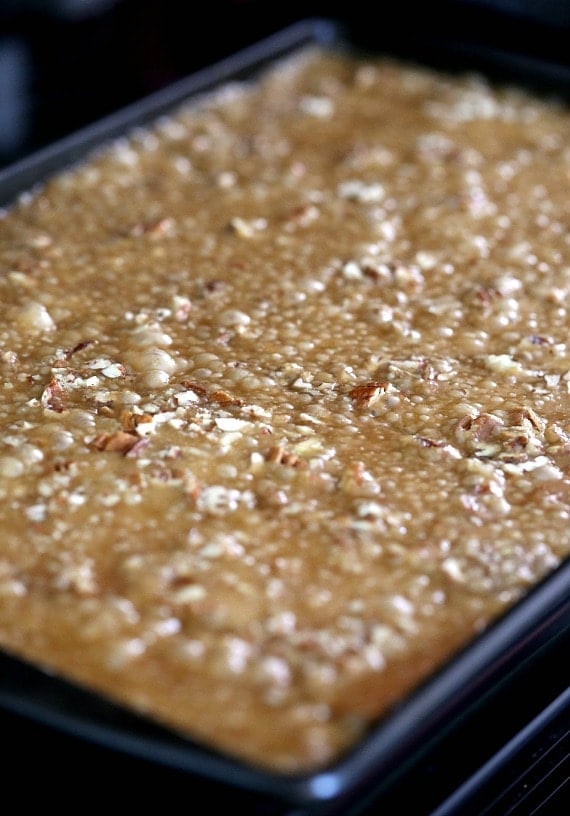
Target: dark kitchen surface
x=67 y=63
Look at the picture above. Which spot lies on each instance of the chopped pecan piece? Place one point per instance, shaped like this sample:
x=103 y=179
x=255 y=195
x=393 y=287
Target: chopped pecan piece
x=198 y=389
x=481 y=428
x=78 y=347
x=518 y=416
x=486 y=295
x=120 y=441
x=356 y=480
x=130 y=421
x=516 y=443
x=302 y=215
x=53 y=397
x=426 y=442
x=155 y=229
x=368 y=393
x=223 y=398
x=281 y=456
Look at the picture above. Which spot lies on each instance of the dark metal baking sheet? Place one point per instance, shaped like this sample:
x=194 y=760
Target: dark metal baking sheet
x=413 y=734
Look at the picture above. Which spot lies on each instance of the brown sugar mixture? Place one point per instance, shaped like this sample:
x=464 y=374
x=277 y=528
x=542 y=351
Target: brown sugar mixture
x=285 y=399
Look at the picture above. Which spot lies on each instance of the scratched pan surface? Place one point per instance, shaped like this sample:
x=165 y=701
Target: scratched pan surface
x=416 y=745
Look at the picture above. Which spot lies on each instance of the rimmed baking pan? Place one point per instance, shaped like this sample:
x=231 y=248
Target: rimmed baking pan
x=414 y=743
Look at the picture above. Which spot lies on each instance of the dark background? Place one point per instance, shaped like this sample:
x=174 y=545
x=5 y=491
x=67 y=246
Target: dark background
x=66 y=63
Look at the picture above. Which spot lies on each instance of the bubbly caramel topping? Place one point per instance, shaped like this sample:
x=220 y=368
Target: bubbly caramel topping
x=286 y=399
